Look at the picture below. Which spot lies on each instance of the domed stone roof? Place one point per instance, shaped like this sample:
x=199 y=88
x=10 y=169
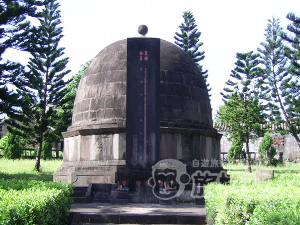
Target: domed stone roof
x=101 y=97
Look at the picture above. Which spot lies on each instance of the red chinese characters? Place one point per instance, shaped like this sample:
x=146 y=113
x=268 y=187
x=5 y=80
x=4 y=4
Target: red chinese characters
x=143 y=56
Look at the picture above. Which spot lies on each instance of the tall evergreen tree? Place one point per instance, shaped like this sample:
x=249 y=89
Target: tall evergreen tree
x=243 y=112
x=188 y=40
x=291 y=85
x=14 y=29
x=42 y=87
x=274 y=73
x=62 y=116
x=245 y=75
x=293 y=47
x=278 y=82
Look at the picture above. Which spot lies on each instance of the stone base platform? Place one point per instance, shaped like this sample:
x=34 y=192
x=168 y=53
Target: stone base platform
x=105 y=213
x=82 y=173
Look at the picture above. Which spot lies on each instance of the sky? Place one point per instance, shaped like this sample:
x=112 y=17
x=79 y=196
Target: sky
x=227 y=27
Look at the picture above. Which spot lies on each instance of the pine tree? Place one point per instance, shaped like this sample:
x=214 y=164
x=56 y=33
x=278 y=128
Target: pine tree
x=278 y=82
x=245 y=75
x=293 y=49
x=291 y=84
x=63 y=113
x=14 y=29
x=243 y=113
x=42 y=87
x=274 y=73
x=188 y=40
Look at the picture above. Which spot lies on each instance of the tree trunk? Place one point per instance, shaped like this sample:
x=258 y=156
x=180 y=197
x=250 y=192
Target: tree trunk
x=38 y=157
x=248 y=155
x=287 y=119
x=56 y=150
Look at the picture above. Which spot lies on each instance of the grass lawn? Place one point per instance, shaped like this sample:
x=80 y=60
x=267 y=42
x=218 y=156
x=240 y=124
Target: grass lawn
x=245 y=201
x=239 y=173
x=24 y=169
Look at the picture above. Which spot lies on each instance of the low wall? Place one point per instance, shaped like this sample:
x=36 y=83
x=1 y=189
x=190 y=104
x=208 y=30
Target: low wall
x=290 y=149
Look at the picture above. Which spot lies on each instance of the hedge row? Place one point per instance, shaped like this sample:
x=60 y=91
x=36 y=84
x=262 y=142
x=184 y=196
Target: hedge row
x=271 y=202
x=34 y=202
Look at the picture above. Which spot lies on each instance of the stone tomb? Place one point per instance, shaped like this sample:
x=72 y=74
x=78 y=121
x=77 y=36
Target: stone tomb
x=140 y=101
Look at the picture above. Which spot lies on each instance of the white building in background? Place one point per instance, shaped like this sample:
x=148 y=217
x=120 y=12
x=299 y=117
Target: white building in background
x=290 y=148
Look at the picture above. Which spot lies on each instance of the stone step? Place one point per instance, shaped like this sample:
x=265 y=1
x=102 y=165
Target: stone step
x=102 y=197
x=78 y=199
x=89 y=218
x=102 y=187
x=79 y=191
x=80 y=188
x=79 y=194
x=96 y=213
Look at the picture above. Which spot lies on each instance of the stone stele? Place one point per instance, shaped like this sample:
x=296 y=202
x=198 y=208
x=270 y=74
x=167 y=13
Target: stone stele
x=95 y=143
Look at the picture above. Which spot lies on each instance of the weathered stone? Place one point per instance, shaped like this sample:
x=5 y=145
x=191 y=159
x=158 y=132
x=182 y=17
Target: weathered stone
x=176 y=78
x=95 y=144
x=97 y=104
x=264 y=175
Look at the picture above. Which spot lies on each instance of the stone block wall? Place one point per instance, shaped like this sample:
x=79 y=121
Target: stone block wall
x=95 y=147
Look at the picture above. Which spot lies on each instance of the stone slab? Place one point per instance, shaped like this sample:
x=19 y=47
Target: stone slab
x=264 y=175
x=142 y=106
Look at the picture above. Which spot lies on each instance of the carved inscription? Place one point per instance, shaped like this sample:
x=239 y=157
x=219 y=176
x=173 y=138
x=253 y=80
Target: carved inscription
x=142 y=121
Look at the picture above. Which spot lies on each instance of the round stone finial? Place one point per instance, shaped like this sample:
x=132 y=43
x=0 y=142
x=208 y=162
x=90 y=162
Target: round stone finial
x=143 y=30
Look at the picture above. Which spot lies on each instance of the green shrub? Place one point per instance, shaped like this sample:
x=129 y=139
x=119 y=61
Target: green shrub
x=34 y=202
x=236 y=151
x=3 y=141
x=47 y=150
x=271 y=154
x=276 y=211
x=273 y=202
x=267 y=151
x=12 y=146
